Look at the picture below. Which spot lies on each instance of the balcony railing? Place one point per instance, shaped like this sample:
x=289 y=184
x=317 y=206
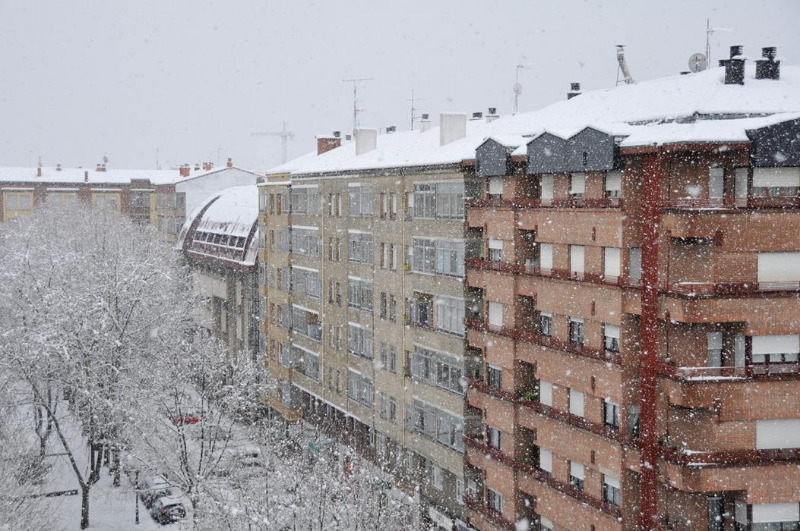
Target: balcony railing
x=490 y=514
x=776 y=371
x=546 y=341
x=728 y=203
x=535 y=202
x=555 y=414
x=691 y=458
x=535 y=270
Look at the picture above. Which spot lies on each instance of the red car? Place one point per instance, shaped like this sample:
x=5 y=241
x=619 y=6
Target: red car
x=186 y=419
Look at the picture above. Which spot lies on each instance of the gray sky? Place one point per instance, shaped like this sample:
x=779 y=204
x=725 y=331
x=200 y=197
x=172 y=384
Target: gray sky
x=193 y=78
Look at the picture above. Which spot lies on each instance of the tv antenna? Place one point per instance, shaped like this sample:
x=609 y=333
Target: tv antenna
x=709 y=32
x=517 y=86
x=414 y=109
x=285 y=135
x=356 y=110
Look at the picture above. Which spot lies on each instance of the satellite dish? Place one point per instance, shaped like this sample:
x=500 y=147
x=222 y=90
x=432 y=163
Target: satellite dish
x=698 y=62
x=517 y=89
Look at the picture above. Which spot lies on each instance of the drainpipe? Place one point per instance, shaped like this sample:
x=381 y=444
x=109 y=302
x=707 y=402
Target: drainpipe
x=648 y=339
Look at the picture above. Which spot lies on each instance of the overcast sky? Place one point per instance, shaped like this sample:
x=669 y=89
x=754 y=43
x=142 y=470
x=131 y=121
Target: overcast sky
x=190 y=80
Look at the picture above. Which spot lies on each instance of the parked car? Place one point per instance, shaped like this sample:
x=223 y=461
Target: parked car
x=166 y=510
x=153 y=489
x=191 y=418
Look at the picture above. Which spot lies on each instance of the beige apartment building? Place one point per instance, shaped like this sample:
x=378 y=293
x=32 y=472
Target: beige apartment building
x=365 y=296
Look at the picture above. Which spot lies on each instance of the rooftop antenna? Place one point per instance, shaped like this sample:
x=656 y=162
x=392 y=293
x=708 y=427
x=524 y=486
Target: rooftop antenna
x=356 y=110
x=285 y=135
x=414 y=109
x=517 y=86
x=623 y=66
x=710 y=31
x=158 y=164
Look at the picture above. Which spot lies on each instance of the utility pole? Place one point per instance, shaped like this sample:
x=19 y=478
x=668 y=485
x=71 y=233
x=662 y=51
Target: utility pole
x=285 y=135
x=414 y=109
x=356 y=110
x=518 y=86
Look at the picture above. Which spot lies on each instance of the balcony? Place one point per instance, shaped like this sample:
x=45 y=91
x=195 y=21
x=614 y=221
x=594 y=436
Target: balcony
x=728 y=289
x=529 y=336
x=489 y=514
x=542 y=477
x=730 y=204
x=535 y=202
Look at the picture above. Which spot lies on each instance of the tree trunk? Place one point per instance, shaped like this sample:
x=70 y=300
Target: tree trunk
x=116 y=467
x=84 y=506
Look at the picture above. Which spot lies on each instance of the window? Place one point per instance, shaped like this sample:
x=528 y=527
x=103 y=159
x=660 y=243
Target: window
x=545 y=524
x=359 y=293
x=495 y=315
x=780 y=433
x=359 y=388
x=716 y=177
x=384 y=204
x=740 y=185
x=359 y=247
x=392 y=410
x=576 y=262
x=493 y=437
x=393 y=256
x=384 y=356
x=420 y=309
x=546 y=460
x=450 y=257
x=776 y=182
x=546 y=392
x=450 y=315
x=393 y=359
x=437 y=477
x=360 y=200
x=437 y=369
x=611 y=414
x=308 y=360
x=304 y=201
x=611 y=263
x=424 y=201
x=392 y=308
x=459 y=491
x=779 y=267
x=494 y=500
x=611 y=337
x=547 y=189
x=494 y=377
x=714 y=342
x=424 y=256
x=576 y=402
x=384 y=306
x=302 y=281
x=107 y=201
x=776 y=349
x=495 y=250
x=434 y=423
x=359 y=341
x=306 y=322
x=546 y=323
x=768 y=516
x=635 y=265
x=576 y=475
x=577 y=184
x=545 y=257
x=450 y=200
x=576 y=330
x=611 y=490
x=495 y=187
x=305 y=240
x=383 y=406
x=614 y=184
x=633 y=420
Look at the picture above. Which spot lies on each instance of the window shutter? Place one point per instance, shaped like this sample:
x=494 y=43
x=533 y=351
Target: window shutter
x=788 y=344
x=577 y=183
x=546 y=392
x=611 y=331
x=546 y=256
x=614 y=181
x=495 y=186
x=547 y=187
x=776 y=177
x=576 y=259
x=611 y=262
x=546 y=460
x=781 y=433
x=779 y=267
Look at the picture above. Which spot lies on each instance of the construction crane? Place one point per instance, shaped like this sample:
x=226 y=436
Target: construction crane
x=623 y=66
x=285 y=135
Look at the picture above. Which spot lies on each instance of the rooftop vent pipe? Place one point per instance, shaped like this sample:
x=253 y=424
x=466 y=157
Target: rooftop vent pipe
x=477 y=115
x=574 y=90
x=492 y=115
x=734 y=67
x=425 y=123
x=768 y=67
x=391 y=129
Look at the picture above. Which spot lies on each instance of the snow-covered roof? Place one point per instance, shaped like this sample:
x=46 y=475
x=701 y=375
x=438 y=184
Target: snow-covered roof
x=222 y=227
x=645 y=113
x=111 y=176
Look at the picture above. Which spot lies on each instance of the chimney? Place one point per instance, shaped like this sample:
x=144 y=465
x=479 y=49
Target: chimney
x=574 y=90
x=196 y=166
x=477 y=116
x=208 y=166
x=58 y=167
x=101 y=167
x=348 y=138
x=492 y=115
x=734 y=67
x=230 y=162
x=327 y=143
x=452 y=127
x=38 y=171
x=86 y=176
x=366 y=140
x=391 y=129
x=425 y=123
x=768 y=67
x=184 y=170
x=337 y=134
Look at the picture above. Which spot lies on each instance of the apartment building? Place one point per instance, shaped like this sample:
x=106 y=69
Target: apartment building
x=640 y=292
x=364 y=252
x=220 y=242
x=161 y=198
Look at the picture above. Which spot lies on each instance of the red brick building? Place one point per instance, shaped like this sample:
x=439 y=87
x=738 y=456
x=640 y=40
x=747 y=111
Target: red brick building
x=639 y=322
